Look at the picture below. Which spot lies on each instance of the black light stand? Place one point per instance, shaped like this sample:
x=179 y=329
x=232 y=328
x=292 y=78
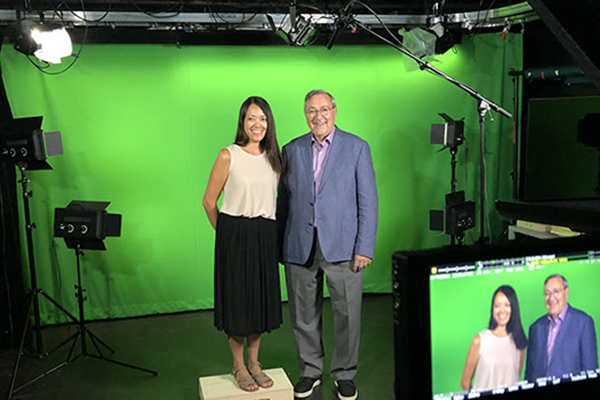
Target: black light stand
x=82 y=329
x=84 y=225
x=28 y=146
x=32 y=295
x=450 y=135
x=458 y=214
x=483 y=105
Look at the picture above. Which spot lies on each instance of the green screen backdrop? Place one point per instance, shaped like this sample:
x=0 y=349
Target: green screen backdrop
x=142 y=125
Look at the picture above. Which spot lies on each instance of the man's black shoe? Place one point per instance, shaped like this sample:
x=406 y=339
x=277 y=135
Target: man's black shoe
x=346 y=390
x=305 y=386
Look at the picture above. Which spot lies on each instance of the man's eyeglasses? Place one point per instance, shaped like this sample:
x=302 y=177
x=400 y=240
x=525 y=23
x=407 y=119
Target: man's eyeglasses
x=555 y=292
x=324 y=111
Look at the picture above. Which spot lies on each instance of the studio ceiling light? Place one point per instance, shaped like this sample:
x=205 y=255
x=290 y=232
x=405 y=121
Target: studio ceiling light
x=297 y=31
x=48 y=42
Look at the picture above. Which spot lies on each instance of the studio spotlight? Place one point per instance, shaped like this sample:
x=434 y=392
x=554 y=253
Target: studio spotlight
x=25 y=143
x=437 y=38
x=457 y=217
x=295 y=29
x=446 y=37
x=49 y=42
x=297 y=34
x=85 y=224
x=449 y=134
x=419 y=41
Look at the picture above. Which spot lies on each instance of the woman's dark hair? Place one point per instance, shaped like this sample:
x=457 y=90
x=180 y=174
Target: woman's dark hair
x=514 y=325
x=269 y=143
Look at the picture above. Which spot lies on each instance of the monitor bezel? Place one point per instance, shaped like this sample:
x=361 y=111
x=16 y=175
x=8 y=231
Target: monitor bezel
x=412 y=316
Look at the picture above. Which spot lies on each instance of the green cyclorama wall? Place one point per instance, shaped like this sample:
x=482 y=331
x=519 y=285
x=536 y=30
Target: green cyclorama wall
x=142 y=125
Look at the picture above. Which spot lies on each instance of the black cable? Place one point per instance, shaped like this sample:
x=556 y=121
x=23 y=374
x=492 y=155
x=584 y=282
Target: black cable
x=487 y=14
x=84 y=19
x=180 y=5
x=239 y=6
x=215 y=15
x=314 y=7
x=382 y=23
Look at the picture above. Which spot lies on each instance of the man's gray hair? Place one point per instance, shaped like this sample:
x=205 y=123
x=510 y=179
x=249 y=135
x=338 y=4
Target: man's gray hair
x=564 y=280
x=316 y=92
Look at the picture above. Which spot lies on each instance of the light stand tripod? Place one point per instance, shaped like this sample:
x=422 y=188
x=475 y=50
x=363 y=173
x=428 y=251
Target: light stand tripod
x=458 y=215
x=82 y=329
x=33 y=293
x=84 y=225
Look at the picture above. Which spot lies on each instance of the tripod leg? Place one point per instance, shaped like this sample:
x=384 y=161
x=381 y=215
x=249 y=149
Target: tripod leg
x=12 y=389
x=61 y=308
x=125 y=365
x=59 y=366
x=20 y=351
x=95 y=341
x=83 y=330
x=73 y=346
x=95 y=338
x=72 y=337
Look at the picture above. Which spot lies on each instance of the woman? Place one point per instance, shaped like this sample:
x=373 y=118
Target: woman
x=247 y=292
x=496 y=355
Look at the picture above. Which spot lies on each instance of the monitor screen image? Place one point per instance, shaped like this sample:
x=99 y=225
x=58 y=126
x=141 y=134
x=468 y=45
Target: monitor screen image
x=475 y=321
x=471 y=286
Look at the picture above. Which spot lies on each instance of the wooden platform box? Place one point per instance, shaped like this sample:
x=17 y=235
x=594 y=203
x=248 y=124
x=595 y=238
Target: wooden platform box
x=224 y=387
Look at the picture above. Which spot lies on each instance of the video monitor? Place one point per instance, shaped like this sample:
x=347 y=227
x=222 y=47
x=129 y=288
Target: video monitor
x=456 y=339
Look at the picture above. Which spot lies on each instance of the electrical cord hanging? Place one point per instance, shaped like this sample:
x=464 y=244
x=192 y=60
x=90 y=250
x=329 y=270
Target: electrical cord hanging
x=396 y=39
x=181 y=5
x=84 y=19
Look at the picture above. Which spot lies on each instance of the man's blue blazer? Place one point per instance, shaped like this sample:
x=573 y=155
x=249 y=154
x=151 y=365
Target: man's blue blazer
x=347 y=202
x=575 y=349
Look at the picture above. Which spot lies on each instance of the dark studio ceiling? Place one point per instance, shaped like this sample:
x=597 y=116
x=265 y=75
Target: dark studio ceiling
x=191 y=22
x=253 y=22
x=168 y=6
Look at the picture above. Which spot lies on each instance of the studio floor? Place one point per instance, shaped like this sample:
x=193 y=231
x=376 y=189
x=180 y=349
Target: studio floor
x=183 y=347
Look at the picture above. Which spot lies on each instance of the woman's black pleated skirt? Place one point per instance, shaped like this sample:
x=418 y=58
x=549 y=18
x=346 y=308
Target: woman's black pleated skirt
x=247 y=291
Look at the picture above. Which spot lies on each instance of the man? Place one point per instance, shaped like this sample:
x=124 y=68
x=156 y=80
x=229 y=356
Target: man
x=327 y=216
x=562 y=342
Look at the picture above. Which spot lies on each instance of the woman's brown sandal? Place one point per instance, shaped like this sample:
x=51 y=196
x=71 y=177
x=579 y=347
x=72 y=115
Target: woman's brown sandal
x=261 y=378
x=246 y=382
